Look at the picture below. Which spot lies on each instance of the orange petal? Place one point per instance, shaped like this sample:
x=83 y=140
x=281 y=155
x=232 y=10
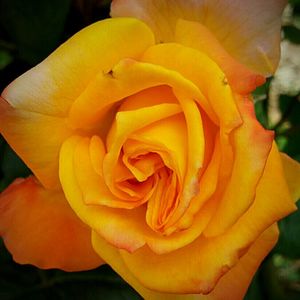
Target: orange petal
x=167 y=137
x=233 y=285
x=197 y=267
x=205 y=74
x=36 y=138
x=124 y=228
x=168 y=131
x=207 y=186
x=248 y=30
x=92 y=185
x=248 y=166
x=38 y=227
x=126 y=123
x=53 y=85
x=291 y=170
x=195 y=35
x=271 y=204
x=109 y=222
x=195 y=154
x=149 y=97
x=128 y=77
x=37 y=99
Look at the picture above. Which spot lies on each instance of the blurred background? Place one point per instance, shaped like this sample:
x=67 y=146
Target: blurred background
x=29 y=31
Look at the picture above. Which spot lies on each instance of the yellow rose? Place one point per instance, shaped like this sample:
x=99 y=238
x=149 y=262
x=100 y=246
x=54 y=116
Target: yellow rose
x=149 y=133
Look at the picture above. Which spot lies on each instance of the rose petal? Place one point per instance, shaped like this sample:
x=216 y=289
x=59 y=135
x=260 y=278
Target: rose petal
x=126 y=123
x=92 y=185
x=291 y=170
x=204 y=261
x=36 y=138
x=233 y=285
x=207 y=186
x=127 y=78
x=248 y=167
x=205 y=74
x=195 y=35
x=167 y=138
x=97 y=152
x=198 y=68
x=126 y=229
x=103 y=219
x=38 y=227
x=149 y=97
x=248 y=30
x=195 y=154
x=52 y=86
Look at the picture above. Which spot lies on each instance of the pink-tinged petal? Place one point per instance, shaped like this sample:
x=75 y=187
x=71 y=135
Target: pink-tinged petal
x=239 y=77
x=38 y=227
x=233 y=285
x=248 y=167
x=291 y=170
x=248 y=30
x=51 y=87
x=36 y=138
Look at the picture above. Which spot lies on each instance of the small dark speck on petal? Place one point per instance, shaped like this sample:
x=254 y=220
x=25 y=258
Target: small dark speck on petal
x=225 y=81
x=110 y=73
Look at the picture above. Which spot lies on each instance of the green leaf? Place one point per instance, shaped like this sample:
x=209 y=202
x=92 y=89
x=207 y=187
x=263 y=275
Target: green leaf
x=96 y=291
x=288 y=129
x=28 y=282
x=5 y=58
x=254 y=291
x=260 y=95
x=260 y=111
x=289 y=239
x=35 y=26
x=294 y=2
x=292 y=34
x=11 y=167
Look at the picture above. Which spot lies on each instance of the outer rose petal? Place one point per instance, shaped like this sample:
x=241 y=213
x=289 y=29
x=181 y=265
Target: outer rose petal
x=38 y=227
x=292 y=174
x=195 y=35
x=42 y=95
x=253 y=24
x=232 y=285
x=248 y=168
x=36 y=138
x=52 y=86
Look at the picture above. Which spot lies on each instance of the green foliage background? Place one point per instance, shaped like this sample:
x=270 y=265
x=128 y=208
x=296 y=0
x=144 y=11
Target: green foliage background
x=32 y=29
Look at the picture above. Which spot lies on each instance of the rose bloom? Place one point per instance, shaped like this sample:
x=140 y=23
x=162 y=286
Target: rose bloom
x=147 y=155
